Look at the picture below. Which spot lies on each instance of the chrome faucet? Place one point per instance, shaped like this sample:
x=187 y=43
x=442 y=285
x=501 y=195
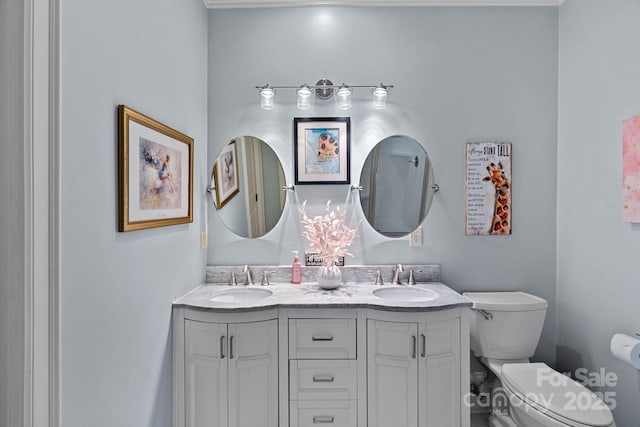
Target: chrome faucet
x=412 y=279
x=395 y=278
x=249 y=279
x=379 y=280
x=232 y=279
x=265 y=278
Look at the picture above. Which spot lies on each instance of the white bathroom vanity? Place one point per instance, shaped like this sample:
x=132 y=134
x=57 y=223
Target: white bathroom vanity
x=297 y=356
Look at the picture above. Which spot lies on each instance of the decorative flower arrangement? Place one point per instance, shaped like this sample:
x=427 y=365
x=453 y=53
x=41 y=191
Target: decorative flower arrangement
x=328 y=234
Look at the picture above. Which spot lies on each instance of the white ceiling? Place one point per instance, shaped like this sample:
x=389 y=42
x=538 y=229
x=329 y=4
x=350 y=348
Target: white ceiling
x=228 y=4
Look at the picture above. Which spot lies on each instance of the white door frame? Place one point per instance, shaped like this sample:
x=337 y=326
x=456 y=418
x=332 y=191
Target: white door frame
x=41 y=129
x=253 y=172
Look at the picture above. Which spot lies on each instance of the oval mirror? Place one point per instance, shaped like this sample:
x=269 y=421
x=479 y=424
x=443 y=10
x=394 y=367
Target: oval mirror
x=246 y=183
x=397 y=181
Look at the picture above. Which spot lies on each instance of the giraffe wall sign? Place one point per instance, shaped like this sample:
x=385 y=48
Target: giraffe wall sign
x=488 y=188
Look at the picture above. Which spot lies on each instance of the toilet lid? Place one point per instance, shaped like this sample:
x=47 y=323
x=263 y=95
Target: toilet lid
x=556 y=395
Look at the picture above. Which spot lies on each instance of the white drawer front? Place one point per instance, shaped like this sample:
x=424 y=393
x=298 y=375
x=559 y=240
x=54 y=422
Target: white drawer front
x=323 y=413
x=322 y=338
x=323 y=379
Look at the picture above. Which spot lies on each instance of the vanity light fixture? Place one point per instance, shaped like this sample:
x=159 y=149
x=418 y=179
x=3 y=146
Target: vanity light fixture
x=266 y=97
x=380 y=96
x=324 y=90
x=344 y=97
x=304 y=97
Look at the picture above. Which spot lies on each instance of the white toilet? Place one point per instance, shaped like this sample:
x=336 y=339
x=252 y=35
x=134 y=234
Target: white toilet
x=505 y=329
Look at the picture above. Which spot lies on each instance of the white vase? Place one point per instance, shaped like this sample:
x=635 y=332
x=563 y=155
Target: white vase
x=329 y=277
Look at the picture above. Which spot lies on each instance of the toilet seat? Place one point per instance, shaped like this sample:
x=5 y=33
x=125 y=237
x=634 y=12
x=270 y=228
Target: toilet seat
x=542 y=390
x=495 y=365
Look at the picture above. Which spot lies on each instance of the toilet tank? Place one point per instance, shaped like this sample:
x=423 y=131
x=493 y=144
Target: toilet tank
x=506 y=325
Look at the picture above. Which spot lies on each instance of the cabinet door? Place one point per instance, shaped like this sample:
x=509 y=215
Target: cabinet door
x=440 y=373
x=253 y=374
x=392 y=372
x=205 y=374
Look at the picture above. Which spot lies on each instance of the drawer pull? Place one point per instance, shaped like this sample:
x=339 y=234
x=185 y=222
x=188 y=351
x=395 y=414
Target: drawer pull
x=413 y=346
x=222 y=347
x=323 y=419
x=231 y=347
x=322 y=379
x=424 y=346
x=321 y=338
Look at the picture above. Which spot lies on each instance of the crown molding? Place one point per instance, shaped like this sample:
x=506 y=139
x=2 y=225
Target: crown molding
x=231 y=4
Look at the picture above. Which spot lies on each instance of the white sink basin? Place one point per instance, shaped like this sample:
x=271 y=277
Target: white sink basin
x=241 y=295
x=406 y=294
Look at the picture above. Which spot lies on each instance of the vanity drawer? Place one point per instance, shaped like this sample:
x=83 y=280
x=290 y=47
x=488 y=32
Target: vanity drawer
x=323 y=379
x=322 y=338
x=330 y=413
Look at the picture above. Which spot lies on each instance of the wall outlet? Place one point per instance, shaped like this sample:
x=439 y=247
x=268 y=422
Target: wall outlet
x=203 y=240
x=415 y=238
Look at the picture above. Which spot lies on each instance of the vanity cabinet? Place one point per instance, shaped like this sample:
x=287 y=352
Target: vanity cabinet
x=230 y=373
x=413 y=372
x=304 y=367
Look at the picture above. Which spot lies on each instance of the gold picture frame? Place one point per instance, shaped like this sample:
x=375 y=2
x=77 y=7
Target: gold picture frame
x=225 y=177
x=155 y=173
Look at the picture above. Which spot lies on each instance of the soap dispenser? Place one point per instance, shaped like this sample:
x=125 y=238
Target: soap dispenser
x=296 y=270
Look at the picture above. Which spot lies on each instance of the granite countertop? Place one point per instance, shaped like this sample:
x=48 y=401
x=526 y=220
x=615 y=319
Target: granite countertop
x=309 y=295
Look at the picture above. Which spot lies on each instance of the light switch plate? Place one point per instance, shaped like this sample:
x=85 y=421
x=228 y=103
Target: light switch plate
x=415 y=238
x=203 y=240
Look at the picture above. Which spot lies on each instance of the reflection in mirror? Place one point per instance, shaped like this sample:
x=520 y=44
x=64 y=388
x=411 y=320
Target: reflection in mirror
x=248 y=179
x=397 y=182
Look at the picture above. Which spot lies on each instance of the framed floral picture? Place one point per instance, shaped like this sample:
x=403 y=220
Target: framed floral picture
x=322 y=150
x=225 y=175
x=155 y=171
x=630 y=170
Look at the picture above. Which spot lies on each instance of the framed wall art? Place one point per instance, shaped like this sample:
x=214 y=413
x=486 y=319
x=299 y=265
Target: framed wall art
x=225 y=174
x=155 y=169
x=488 y=188
x=630 y=170
x=322 y=150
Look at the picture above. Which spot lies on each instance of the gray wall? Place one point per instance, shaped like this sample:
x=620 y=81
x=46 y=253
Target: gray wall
x=116 y=287
x=461 y=74
x=12 y=210
x=598 y=290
